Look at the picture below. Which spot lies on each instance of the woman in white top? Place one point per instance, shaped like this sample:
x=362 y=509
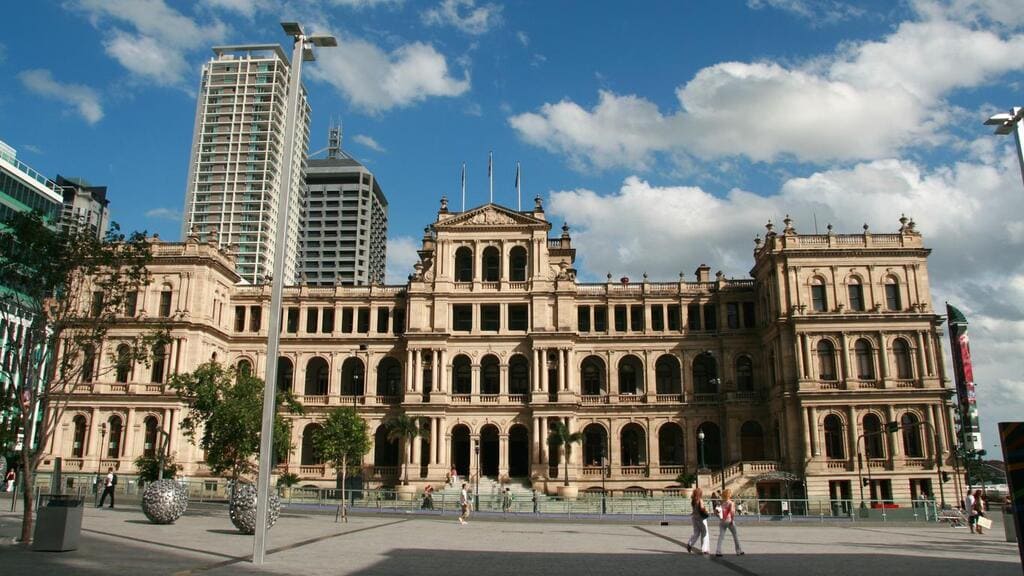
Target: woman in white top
x=728 y=515
x=699 y=517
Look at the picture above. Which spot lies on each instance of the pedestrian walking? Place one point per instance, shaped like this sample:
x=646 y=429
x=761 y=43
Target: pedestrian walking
x=428 y=498
x=699 y=518
x=464 y=503
x=728 y=522
x=9 y=478
x=534 y=500
x=506 y=500
x=974 y=505
x=453 y=477
x=108 y=488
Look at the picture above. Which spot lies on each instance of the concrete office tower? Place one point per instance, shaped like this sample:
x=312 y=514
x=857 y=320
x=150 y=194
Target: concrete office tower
x=345 y=227
x=85 y=206
x=23 y=189
x=234 y=177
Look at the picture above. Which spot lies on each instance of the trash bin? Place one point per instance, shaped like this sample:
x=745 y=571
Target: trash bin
x=58 y=524
x=1009 y=527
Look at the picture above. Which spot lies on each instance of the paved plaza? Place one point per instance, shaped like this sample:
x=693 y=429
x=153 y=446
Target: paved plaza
x=122 y=541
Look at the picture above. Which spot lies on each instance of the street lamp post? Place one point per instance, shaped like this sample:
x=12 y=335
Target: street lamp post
x=1007 y=123
x=99 y=459
x=700 y=441
x=301 y=51
x=476 y=489
x=604 y=474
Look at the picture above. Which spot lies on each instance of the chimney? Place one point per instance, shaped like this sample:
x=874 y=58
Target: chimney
x=703 y=273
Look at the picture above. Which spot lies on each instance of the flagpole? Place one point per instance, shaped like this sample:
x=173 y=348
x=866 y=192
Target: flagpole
x=463 y=186
x=519 y=195
x=490 y=175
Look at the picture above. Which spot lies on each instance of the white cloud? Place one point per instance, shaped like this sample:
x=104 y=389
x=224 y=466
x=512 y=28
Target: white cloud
x=968 y=213
x=164 y=214
x=376 y=81
x=867 y=100
x=817 y=11
x=368 y=142
x=523 y=38
x=159 y=38
x=32 y=148
x=247 y=8
x=401 y=258
x=1002 y=13
x=464 y=15
x=84 y=100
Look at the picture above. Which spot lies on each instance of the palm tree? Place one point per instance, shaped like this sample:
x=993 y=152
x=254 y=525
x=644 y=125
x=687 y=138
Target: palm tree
x=406 y=428
x=560 y=436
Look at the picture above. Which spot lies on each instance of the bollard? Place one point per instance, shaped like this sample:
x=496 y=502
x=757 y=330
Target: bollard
x=1009 y=527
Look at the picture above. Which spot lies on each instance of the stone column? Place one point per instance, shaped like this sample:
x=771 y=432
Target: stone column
x=883 y=356
x=939 y=423
x=812 y=432
x=653 y=457
x=535 y=446
x=435 y=369
x=845 y=366
x=543 y=372
x=543 y=440
x=409 y=370
x=417 y=369
x=894 y=446
x=503 y=380
x=503 y=455
x=129 y=421
x=535 y=371
x=475 y=379
x=417 y=446
x=570 y=370
x=926 y=431
x=851 y=418
x=562 y=353
x=922 y=369
x=806 y=364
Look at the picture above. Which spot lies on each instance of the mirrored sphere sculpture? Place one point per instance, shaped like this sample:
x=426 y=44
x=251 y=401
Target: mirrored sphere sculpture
x=164 y=501
x=243 y=509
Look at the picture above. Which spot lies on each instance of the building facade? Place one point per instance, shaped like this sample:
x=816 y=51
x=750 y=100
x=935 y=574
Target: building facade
x=778 y=383
x=85 y=207
x=343 y=239
x=234 y=178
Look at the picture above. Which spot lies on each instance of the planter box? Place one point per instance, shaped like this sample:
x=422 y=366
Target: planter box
x=58 y=525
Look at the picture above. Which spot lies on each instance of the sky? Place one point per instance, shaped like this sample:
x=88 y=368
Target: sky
x=665 y=135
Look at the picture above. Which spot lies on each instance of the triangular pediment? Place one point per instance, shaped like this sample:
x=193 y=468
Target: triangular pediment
x=491 y=216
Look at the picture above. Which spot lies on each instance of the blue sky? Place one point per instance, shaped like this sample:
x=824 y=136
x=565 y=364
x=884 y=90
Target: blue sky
x=665 y=134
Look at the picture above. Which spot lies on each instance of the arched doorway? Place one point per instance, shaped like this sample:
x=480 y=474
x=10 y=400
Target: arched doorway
x=710 y=450
x=316 y=377
x=670 y=445
x=460 y=450
x=309 y=456
x=518 y=452
x=633 y=445
x=490 y=451
x=751 y=441
x=595 y=444
x=385 y=452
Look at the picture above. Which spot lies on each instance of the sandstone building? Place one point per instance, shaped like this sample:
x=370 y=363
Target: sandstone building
x=787 y=375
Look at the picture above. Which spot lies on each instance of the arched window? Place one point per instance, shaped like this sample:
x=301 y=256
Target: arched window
x=285 y=373
x=667 y=378
x=114 y=430
x=517 y=264
x=244 y=367
x=490 y=371
x=901 y=354
x=751 y=441
x=630 y=371
x=595 y=444
x=912 y=446
x=491 y=264
x=389 y=378
x=633 y=445
x=592 y=376
x=865 y=360
x=744 y=374
x=670 y=445
x=464 y=265
x=150 y=439
x=835 y=443
x=352 y=377
x=856 y=294
x=78 y=439
x=819 y=297
x=159 y=363
x=892 y=294
x=88 y=363
x=317 y=375
x=309 y=456
x=123 y=368
x=874 y=443
x=518 y=375
x=705 y=374
x=165 y=302
x=462 y=375
x=826 y=360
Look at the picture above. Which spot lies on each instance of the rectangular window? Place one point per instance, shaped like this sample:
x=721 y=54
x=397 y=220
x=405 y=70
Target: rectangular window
x=327 y=321
x=519 y=317
x=399 y=324
x=892 y=297
x=583 y=318
x=312 y=320
x=364 y=321
x=732 y=315
x=165 y=304
x=490 y=317
x=600 y=318
x=674 y=321
x=293 y=320
x=749 y=319
x=856 y=293
x=658 y=318
x=239 y=318
x=462 y=317
x=636 y=318
x=710 y=317
x=255 y=318
x=818 y=301
x=693 y=316
x=620 y=318
x=382 y=320
x=131 y=304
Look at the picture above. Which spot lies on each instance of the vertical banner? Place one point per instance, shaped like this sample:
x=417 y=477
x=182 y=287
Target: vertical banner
x=963 y=372
x=1011 y=435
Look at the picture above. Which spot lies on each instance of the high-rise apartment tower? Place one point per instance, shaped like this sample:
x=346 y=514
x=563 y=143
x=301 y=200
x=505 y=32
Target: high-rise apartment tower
x=85 y=206
x=234 y=178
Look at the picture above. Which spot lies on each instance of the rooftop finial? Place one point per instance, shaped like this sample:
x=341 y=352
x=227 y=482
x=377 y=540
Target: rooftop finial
x=444 y=204
x=538 y=204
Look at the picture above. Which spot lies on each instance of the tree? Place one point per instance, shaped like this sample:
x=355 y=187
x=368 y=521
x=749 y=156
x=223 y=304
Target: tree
x=149 y=467
x=65 y=290
x=405 y=428
x=225 y=410
x=560 y=436
x=344 y=438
